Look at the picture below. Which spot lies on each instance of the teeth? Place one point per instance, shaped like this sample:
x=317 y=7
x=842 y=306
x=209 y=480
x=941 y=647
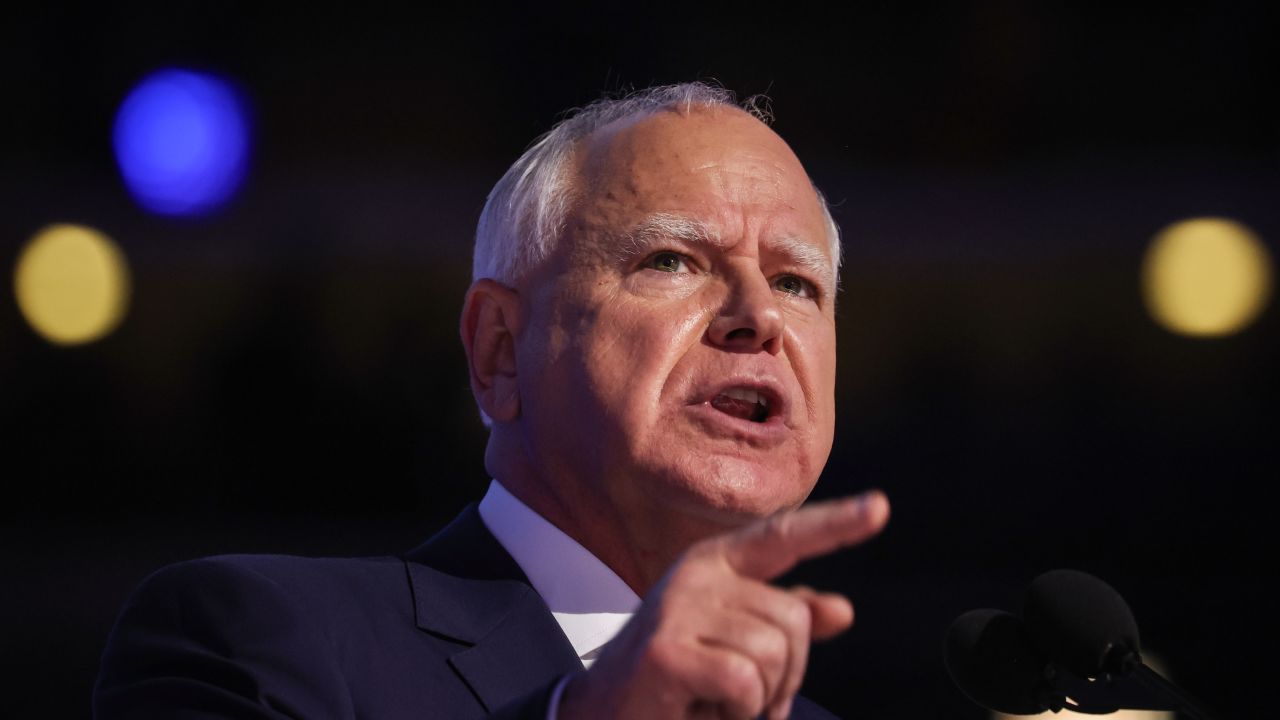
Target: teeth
x=746 y=395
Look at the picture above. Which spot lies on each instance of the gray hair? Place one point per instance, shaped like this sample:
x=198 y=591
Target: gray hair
x=526 y=211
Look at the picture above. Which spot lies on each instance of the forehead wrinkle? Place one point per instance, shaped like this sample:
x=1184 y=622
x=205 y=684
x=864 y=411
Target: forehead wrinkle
x=658 y=226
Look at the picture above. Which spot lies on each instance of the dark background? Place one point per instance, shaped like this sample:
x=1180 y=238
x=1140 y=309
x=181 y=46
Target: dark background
x=288 y=378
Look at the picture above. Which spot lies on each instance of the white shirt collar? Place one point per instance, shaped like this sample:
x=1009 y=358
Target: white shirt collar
x=589 y=601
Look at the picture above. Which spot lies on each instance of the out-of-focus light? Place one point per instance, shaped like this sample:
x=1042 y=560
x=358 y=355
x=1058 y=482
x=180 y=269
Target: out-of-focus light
x=72 y=284
x=1206 y=277
x=1151 y=661
x=1117 y=715
x=182 y=142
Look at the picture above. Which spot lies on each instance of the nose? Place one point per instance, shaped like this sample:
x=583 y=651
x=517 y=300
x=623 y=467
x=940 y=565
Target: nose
x=750 y=319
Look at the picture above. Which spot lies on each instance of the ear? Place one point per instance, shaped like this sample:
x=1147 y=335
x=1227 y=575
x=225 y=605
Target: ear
x=490 y=324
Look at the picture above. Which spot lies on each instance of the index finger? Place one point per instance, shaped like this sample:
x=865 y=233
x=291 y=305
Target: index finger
x=768 y=548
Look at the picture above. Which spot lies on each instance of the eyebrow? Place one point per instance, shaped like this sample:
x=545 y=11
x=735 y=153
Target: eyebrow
x=808 y=256
x=659 y=226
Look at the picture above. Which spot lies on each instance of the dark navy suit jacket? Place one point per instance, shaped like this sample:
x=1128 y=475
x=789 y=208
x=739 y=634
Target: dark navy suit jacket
x=453 y=629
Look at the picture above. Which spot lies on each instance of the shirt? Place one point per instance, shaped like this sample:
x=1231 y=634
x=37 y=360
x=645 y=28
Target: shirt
x=587 y=599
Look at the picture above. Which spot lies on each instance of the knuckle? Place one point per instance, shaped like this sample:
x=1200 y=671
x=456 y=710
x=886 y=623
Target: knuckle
x=740 y=680
x=680 y=579
x=703 y=549
x=798 y=617
x=773 y=651
x=777 y=529
x=664 y=656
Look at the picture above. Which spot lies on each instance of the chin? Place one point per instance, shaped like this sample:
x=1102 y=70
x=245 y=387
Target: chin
x=732 y=492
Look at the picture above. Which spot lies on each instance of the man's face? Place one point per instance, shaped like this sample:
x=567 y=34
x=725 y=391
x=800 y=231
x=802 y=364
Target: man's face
x=679 y=345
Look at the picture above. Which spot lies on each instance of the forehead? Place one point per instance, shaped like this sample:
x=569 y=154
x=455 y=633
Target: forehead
x=717 y=163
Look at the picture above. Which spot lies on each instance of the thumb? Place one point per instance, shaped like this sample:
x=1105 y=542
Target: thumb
x=830 y=613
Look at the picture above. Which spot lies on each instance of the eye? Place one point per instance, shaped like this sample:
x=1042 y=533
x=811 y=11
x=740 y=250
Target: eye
x=666 y=261
x=792 y=285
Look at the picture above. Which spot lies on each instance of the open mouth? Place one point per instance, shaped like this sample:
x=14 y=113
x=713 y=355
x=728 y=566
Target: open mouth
x=743 y=403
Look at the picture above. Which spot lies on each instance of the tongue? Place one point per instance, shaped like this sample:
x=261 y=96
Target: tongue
x=733 y=406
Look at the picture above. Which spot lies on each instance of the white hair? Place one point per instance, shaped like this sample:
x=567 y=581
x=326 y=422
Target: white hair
x=526 y=211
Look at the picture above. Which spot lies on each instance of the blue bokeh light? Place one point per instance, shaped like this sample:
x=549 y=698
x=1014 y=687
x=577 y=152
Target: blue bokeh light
x=182 y=142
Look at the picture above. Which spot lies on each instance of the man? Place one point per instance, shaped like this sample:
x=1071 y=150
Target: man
x=651 y=339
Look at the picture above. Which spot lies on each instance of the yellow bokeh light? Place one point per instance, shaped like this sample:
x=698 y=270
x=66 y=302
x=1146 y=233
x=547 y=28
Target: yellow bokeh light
x=1206 y=277
x=72 y=284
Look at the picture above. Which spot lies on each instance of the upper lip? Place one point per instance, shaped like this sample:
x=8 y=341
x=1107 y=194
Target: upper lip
x=768 y=387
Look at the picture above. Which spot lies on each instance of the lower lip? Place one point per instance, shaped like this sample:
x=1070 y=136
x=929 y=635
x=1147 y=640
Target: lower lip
x=770 y=432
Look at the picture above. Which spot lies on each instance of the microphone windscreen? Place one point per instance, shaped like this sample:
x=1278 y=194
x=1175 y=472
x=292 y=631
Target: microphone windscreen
x=1080 y=622
x=991 y=659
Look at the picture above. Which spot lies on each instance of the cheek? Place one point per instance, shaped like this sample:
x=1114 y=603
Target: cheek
x=811 y=352
x=634 y=348
x=813 y=355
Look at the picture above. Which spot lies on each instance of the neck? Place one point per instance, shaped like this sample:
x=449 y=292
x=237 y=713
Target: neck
x=637 y=540
x=638 y=561
x=638 y=537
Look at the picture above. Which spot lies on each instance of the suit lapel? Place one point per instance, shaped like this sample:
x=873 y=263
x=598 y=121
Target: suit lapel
x=468 y=589
x=524 y=652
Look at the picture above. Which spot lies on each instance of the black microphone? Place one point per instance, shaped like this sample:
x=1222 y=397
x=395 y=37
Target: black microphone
x=1076 y=647
x=1081 y=622
x=1084 y=625
x=990 y=658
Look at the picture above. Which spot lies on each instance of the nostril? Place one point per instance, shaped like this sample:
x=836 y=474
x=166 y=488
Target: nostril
x=744 y=330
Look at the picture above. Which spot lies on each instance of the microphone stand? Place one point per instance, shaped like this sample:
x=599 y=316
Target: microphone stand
x=1157 y=685
x=1135 y=687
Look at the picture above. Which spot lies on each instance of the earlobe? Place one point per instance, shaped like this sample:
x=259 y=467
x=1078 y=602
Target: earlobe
x=490 y=325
